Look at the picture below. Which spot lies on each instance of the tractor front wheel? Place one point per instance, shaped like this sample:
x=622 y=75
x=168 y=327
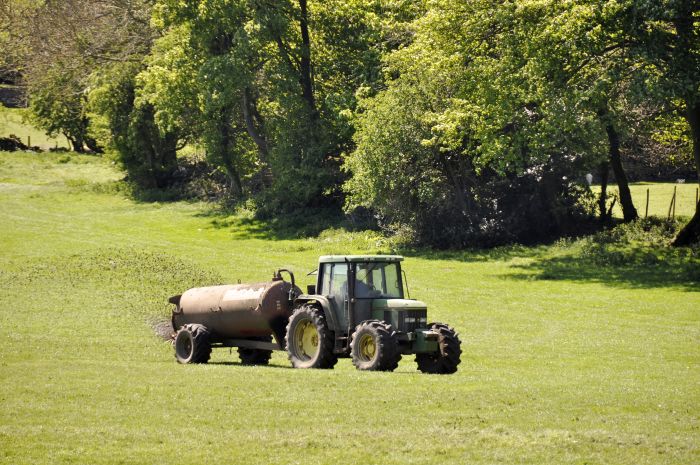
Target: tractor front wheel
x=446 y=359
x=309 y=341
x=374 y=347
x=192 y=344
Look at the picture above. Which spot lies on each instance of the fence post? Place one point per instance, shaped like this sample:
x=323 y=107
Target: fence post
x=29 y=141
x=674 y=201
x=646 y=210
x=670 y=206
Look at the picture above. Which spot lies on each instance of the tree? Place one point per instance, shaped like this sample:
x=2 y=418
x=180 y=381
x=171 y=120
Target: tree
x=57 y=105
x=273 y=80
x=68 y=41
x=463 y=145
x=148 y=153
x=14 y=37
x=676 y=50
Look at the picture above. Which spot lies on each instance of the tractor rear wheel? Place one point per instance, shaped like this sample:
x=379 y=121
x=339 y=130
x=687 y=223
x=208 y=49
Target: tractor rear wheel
x=309 y=341
x=374 y=347
x=446 y=359
x=192 y=344
x=255 y=356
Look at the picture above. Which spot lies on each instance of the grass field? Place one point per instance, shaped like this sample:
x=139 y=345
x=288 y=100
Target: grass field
x=660 y=195
x=11 y=123
x=577 y=352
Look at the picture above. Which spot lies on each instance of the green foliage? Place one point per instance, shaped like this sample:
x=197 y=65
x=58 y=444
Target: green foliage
x=452 y=122
x=58 y=106
x=277 y=128
x=465 y=144
x=640 y=245
x=495 y=111
x=146 y=152
x=170 y=82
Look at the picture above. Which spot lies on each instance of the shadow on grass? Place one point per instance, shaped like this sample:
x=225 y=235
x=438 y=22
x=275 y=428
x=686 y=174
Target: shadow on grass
x=306 y=223
x=501 y=253
x=271 y=365
x=630 y=267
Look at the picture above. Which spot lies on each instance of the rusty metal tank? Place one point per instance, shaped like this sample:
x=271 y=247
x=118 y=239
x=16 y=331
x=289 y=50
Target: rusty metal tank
x=238 y=310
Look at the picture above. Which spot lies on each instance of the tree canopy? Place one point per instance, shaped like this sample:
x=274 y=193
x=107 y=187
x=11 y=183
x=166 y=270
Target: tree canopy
x=454 y=122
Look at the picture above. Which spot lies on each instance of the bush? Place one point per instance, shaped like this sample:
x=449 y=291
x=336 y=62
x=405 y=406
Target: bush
x=640 y=244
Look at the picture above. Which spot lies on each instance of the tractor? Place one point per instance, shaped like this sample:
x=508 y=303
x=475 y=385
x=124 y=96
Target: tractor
x=356 y=309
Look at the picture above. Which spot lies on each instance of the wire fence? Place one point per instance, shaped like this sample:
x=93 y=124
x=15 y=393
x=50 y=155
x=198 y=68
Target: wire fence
x=672 y=205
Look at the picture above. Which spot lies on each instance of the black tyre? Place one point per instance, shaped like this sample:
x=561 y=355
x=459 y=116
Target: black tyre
x=446 y=359
x=374 y=347
x=255 y=356
x=309 y=341
x=192 y=344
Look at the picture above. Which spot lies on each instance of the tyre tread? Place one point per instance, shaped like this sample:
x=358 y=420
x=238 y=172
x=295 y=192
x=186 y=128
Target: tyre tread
x=255 y=356
x=326 y=359
x=387 y=346
x=444 y=361
x=201 y=343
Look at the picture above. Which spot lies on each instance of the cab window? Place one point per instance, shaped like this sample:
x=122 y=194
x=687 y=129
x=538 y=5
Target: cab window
x=339 y=280
x=378 y=280
x=325 y=279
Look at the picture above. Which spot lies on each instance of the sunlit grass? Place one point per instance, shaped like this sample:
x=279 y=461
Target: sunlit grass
x=660 y=195
x=12 y=122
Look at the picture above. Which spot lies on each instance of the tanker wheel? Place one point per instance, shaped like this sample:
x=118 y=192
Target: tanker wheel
x=374 y=347
x=192 y=344
x=446 y=359
x=255 y=356
x=309 y=341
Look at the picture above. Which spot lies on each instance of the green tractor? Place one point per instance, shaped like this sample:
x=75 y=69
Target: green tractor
x=357 y=309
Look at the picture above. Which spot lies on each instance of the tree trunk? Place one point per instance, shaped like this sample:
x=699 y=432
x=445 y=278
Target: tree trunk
x=686 y=42
x=629 y=213
x=603 y=198
x=93 y=145
x=248 y=106
x=254 y=127
x=165 y=156
x=693 y=117
x=225 y=152
x=690 y=234
x=305 y=76
x=456 y=182
x=77 y=144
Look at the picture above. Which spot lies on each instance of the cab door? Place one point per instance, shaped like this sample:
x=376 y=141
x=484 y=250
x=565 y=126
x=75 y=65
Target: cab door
x=334 y=284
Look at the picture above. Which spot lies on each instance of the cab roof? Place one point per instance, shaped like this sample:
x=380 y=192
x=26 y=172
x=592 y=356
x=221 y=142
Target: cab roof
x=359 y=258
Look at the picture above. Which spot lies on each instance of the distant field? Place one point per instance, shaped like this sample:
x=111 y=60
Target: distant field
x=570 y=355
x=660 y=195
x=11 y=122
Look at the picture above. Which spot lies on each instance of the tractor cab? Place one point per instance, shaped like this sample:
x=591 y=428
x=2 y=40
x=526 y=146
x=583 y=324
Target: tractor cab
x=357 y=288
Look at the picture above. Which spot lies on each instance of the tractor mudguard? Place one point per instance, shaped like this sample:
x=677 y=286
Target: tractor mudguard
x=325 y=305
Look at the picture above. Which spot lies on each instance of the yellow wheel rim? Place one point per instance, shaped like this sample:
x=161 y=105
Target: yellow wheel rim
x=306 y=340
x=367 y=347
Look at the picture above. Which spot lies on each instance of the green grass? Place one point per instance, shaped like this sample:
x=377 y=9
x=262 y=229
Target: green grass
x=578 y=352
x=660 y=195
x=12 y=123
